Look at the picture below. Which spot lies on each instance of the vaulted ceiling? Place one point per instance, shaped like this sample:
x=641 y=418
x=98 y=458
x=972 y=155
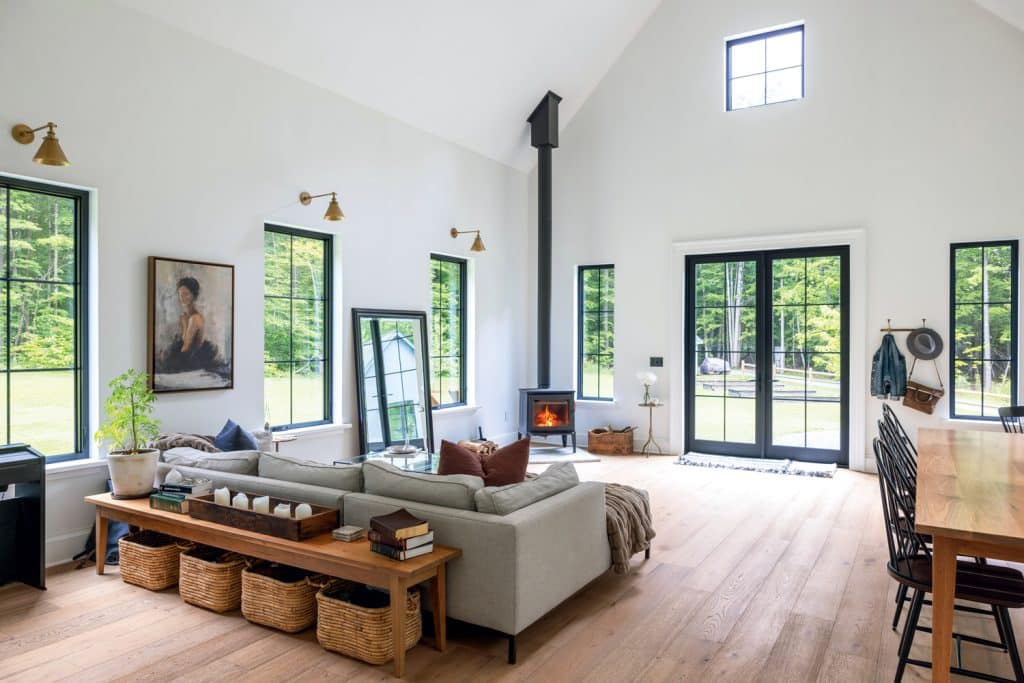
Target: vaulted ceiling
x=465 y=70
x=1012 y=11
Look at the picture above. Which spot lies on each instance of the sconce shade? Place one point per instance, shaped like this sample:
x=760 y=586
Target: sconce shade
x=50 y=153
x=478 y=244
x=333 y=210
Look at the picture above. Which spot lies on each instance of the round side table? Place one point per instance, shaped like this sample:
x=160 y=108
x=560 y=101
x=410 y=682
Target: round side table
x=650 y=443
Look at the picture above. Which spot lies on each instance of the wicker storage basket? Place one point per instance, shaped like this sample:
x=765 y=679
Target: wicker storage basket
x=211 y=578
x=150 y=559
x=280 y=596
x=604 y=442
x=362 y=632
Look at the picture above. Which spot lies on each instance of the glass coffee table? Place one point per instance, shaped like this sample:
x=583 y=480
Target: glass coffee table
x=420 y=461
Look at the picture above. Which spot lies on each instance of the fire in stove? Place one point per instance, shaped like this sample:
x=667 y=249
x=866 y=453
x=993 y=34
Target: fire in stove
x=550 y=414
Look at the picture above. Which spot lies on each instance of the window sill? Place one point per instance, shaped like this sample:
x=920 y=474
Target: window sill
x=318 y=430
x=595 y=402
x=455 y=410
x=73 y=468
x=996 y=424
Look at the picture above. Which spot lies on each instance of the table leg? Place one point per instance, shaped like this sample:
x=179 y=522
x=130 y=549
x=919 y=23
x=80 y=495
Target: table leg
x=437 y=601
x=398 y=597
x=943 y=588
x=101 y=540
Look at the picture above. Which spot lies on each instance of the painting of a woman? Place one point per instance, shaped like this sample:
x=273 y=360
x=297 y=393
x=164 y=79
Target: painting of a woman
x=191 y=321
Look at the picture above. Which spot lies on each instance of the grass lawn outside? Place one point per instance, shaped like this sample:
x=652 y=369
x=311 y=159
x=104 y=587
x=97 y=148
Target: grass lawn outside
x=307 y=399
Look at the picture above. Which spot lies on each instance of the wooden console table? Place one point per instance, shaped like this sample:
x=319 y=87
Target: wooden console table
x=352 y=561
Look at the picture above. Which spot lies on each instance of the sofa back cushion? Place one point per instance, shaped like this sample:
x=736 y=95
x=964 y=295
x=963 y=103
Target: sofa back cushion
x=344 y=477
x=502 y=500
x=451 y=490
x=236 y=462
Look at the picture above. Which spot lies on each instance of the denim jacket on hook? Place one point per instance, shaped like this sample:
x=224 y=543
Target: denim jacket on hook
x=888 y=370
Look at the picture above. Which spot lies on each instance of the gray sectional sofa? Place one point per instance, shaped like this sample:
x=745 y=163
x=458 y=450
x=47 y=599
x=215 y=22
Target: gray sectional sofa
x=525 y=547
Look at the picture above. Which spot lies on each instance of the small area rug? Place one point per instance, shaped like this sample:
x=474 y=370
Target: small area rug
x=803 y=469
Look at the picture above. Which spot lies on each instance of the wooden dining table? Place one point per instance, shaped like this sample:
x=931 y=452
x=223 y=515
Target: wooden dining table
x=970 y=498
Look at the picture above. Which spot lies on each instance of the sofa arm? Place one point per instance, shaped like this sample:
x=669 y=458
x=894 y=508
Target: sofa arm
x=561 y=546
x=517 y=567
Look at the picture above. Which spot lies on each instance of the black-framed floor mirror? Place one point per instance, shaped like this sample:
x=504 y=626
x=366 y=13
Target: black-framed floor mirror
x=392 y=379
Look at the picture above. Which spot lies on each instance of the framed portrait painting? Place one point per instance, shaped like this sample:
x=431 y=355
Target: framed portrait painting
x=191 y=325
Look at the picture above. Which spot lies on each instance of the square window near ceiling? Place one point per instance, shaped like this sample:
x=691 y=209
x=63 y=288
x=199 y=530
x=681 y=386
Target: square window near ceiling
x=764 y=68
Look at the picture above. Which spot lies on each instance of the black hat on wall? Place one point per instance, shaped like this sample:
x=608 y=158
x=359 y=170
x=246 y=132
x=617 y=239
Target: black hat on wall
x=924 y=343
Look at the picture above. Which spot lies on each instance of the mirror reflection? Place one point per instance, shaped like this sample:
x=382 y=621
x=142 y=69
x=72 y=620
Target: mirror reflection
x=393 y=388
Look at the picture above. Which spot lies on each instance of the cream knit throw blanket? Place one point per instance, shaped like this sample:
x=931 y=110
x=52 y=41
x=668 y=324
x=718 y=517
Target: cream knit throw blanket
x=630 y=528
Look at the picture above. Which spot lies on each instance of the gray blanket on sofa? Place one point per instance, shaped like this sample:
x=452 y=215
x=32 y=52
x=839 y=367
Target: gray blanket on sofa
x=166 y=442
x=630 y=528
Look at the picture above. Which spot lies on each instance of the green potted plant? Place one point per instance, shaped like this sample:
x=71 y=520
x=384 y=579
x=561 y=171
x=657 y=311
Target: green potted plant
x=128 y=428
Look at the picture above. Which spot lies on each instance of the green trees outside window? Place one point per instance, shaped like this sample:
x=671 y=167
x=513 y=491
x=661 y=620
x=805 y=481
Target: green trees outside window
x=983 y=287
x=596 y=339
x=447 y=331
x=42 y=318
x=296 y=326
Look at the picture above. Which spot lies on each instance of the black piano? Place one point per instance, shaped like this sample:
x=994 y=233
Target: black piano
x=22 y=515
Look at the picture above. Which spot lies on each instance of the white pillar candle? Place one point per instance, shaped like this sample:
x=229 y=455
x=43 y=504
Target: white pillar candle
x=303 y=510
x=222 y=496
x=240 y=501
x=261 y=504
x=283 y=510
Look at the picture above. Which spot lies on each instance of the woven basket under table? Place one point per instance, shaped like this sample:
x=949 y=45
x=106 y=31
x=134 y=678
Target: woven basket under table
x=149 y=559
x=363 y=632
x=279 y=596
x=211 y=578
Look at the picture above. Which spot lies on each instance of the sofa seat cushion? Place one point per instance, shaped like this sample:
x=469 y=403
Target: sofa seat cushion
x=236 y=462
x=505 y=466
x=344 y=477
x=451 y=490
x=502 y=500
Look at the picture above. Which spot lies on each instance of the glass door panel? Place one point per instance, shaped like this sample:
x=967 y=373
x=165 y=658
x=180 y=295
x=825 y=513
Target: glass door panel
x=767 y=354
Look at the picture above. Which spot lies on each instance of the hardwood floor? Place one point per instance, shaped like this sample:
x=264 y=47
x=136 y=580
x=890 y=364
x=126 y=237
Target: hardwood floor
x=753 y=577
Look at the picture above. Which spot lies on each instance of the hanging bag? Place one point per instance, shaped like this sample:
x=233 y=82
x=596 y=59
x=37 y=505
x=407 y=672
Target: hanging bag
x=921 y=396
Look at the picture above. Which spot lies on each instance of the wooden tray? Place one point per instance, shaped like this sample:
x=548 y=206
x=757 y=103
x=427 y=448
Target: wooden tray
x=322 y=521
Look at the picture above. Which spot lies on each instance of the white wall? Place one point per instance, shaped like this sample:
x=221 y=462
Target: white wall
x=190 y=148
x=910 y=130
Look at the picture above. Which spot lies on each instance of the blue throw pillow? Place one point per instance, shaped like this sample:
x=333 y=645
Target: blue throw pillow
x=227 y=438
x=246 y=440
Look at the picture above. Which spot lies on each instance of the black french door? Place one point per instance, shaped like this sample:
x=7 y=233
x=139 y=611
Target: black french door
x=767 y=354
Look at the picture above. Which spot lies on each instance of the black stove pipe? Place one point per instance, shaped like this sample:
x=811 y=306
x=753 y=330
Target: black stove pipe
x=544 y=136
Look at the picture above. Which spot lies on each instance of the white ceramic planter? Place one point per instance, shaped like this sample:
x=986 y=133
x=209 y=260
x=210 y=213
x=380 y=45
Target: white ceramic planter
x=133 y=474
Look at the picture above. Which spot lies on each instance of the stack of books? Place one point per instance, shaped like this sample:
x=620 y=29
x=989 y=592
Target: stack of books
x=190 y=487
x=348 y=533
x=400 y=535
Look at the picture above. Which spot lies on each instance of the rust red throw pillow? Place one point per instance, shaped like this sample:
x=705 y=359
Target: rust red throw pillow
x=505 y=466
x=457 y=460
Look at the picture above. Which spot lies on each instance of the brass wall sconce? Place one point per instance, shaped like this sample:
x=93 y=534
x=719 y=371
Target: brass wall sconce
x=50 y=153
x=478 y=244
x=333 y=210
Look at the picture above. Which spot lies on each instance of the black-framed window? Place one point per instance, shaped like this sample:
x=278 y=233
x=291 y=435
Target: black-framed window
x=297 y=301
x=447 y=331
x=595 y=343
x=44 y=306
x=983 y=328
x=764 y=68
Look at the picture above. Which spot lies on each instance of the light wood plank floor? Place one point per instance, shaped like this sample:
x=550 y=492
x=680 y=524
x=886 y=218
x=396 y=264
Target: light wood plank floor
x=752 y=577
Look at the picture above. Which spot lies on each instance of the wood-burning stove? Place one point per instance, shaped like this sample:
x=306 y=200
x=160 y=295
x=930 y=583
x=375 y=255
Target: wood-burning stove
x=543 y=412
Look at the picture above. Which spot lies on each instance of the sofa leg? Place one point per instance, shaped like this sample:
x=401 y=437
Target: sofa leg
x=511 y=649
x=647 y=553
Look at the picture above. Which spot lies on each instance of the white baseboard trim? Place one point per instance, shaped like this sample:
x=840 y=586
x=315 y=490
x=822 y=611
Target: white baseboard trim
x=60 y=549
